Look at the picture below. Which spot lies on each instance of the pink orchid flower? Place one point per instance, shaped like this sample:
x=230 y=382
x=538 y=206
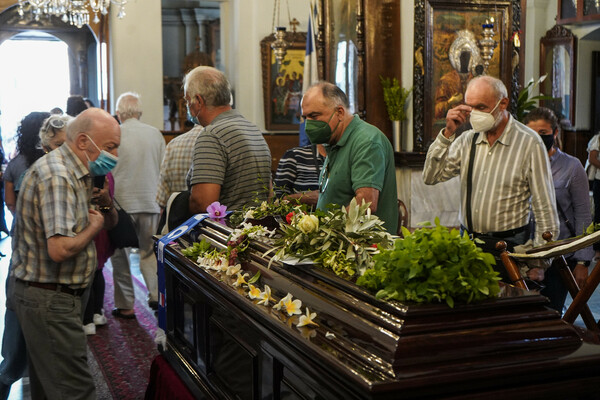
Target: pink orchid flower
x=216 y=210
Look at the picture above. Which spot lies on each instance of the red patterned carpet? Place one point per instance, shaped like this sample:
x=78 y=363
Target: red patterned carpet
x=124 y=349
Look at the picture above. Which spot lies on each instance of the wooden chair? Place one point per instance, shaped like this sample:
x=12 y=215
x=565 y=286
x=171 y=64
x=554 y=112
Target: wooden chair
x=557 y=251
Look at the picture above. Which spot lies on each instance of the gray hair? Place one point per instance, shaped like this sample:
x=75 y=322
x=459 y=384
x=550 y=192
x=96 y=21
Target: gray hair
x=333 y=95
x=51 y=126
x=208 y=83
x=498 y=87
x=129 y=105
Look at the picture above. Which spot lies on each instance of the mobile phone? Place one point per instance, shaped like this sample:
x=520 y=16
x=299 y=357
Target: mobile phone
x=99 y=181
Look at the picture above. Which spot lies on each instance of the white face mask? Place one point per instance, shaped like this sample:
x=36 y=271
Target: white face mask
x=482 y=121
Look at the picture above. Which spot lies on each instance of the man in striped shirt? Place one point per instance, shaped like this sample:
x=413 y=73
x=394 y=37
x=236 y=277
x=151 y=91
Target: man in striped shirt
x=231 y=162
x=298 y=170
x=511 y=172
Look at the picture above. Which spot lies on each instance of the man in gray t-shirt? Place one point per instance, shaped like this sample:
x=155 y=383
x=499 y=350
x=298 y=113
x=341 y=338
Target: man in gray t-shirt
x=232 y=161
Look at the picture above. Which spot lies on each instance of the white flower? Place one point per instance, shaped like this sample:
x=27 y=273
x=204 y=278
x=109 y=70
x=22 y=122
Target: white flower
x=254 y=292
x=290 y=306
x=241 y=280
x=307 y=319
x=308 y=223
x=249 y=214
x=265 y=296
x=281 y=302
x=264 y=206
x=234 y=269
x=224 y=266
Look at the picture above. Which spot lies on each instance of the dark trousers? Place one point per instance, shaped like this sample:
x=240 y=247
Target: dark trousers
x=96 y=300
x=489 y=246
x=555 y=289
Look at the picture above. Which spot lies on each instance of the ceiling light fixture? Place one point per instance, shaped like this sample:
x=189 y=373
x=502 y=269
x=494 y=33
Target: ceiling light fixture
x=75 y=12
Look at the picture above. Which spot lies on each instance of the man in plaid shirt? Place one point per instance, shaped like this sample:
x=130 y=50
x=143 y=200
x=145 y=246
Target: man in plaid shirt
x=54 y=256
x=175 y=165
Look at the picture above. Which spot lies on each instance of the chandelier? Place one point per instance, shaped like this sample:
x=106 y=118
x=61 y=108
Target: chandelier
x=75 y=12
x=280 y=45
x=487 y=43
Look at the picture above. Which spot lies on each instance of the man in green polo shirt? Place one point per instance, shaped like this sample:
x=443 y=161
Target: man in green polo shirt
x=360 y=158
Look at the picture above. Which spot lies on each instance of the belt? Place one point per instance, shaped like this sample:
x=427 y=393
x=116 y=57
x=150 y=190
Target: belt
x=500 y=235
x=54 y=286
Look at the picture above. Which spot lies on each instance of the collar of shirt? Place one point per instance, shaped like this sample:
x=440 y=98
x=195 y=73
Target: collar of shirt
x=225 y=114
x=556 y=154
x=79 y=168
x=507 y=136
x=347 y=132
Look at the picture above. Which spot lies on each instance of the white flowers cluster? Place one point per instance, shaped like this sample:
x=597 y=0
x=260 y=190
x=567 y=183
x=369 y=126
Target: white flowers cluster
x=214 y=261
x=287 y=304
x=276 y=207
x=251 y=231
x=294 y=307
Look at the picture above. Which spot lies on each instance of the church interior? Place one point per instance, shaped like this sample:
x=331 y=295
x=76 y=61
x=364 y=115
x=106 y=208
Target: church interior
x=545 y=51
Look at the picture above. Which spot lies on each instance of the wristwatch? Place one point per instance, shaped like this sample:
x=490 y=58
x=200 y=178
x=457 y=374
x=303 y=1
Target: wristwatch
x=105 y=209
x=584 y=263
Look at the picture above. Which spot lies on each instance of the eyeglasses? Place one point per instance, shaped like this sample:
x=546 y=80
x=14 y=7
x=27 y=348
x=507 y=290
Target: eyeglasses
x=57 y=123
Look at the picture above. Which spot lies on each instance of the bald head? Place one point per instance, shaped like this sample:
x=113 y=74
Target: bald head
x=93 y=121
x=332 y=95
x=486 y=82
x=92 y=131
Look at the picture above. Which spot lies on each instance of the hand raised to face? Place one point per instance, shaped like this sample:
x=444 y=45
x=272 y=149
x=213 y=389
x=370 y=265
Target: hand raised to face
x=455 y=117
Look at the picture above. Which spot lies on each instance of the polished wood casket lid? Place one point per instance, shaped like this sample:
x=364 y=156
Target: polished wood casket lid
x=387 y=347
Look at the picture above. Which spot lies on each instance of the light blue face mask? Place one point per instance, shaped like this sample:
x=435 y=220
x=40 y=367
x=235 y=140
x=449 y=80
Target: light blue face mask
x=190 y=117
x=103 y=164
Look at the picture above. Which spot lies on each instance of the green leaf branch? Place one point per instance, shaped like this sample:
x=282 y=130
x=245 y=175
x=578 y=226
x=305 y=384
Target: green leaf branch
x=395 y=98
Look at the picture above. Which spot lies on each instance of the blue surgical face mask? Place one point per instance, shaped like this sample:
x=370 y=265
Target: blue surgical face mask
x=190 y=117
x=103 y=164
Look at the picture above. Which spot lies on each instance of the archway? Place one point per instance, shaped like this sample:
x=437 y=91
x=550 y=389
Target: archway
x=82 y=54
x=36 y=79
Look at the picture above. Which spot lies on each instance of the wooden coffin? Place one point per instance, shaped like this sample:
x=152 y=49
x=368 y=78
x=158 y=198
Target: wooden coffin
x=225 y=346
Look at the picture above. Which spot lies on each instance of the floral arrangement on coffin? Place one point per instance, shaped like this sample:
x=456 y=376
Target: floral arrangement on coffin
x=220 y=262
x=237 y=243
x=275 y=207
x=433 y=264
x=340 y=240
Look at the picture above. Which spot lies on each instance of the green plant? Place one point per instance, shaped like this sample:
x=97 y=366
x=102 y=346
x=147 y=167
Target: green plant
x=395 y=98
x=432 y=264
x=525 y=103
x=340 y=240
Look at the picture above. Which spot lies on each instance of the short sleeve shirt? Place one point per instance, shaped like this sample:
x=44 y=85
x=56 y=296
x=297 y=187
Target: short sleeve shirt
x=232 y=153
x=363 y=157
x=54 y=200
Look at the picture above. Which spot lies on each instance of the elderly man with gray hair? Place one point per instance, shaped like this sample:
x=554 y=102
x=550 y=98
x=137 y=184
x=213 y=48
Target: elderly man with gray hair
x=503 y=167
x=141 y=152
x=231 y=162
